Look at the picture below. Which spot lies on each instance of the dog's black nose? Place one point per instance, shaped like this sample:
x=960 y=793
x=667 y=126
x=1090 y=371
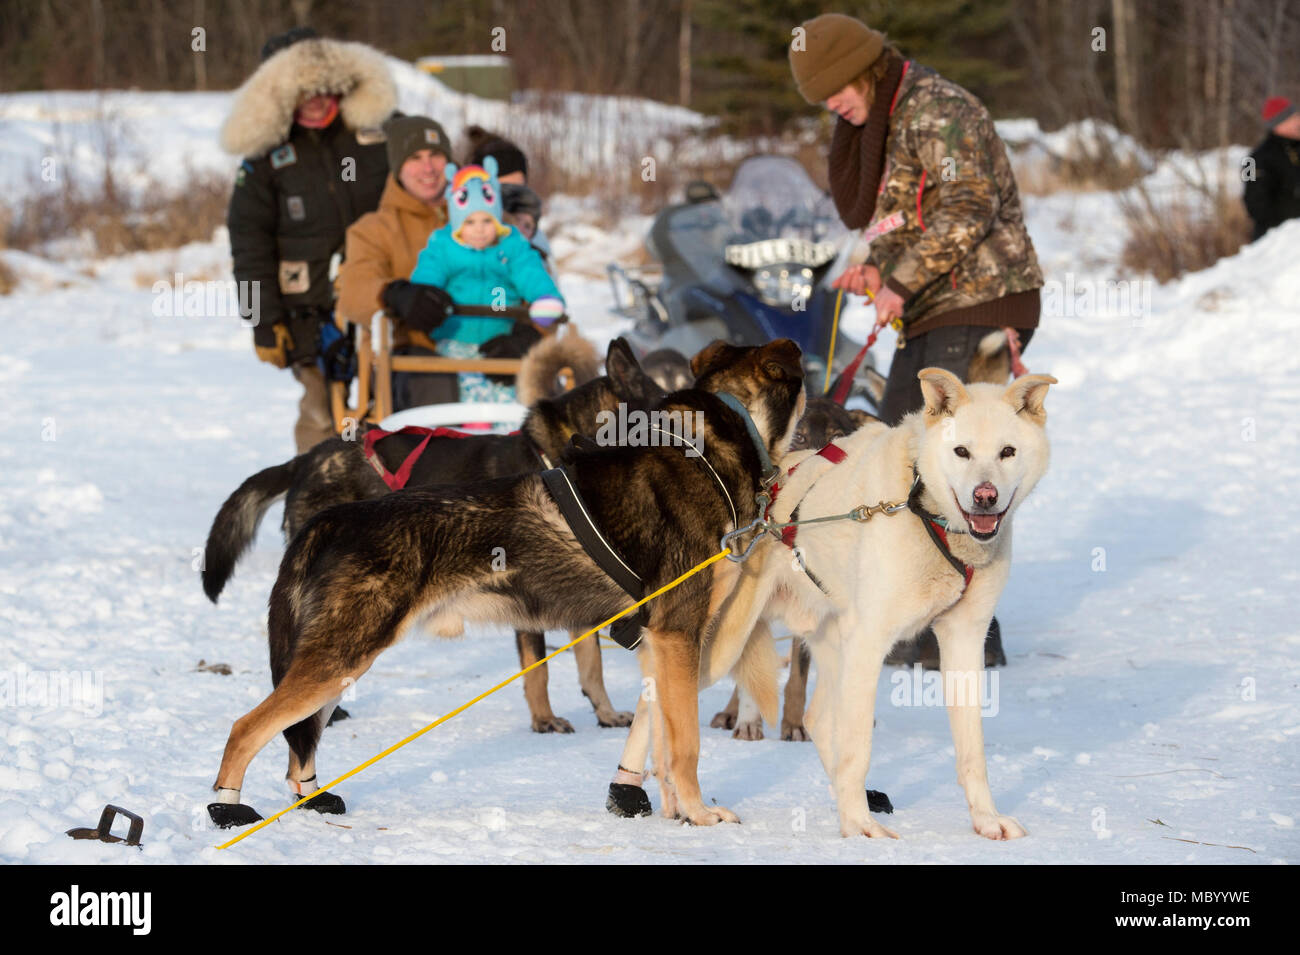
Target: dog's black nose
x=986 y=495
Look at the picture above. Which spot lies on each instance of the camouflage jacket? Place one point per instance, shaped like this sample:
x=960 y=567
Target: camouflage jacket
x=951 y=233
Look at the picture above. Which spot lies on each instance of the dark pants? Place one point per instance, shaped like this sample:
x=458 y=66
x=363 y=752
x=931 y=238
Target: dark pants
x=950 y=348
x=411 y=389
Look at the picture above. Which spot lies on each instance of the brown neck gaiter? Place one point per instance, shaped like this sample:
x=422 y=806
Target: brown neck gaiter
x=857 y=157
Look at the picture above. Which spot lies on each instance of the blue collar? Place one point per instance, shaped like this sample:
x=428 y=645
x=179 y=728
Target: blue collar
x=735 y=404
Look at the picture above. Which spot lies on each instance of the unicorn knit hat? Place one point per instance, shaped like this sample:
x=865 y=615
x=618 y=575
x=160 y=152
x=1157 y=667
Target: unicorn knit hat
x=473 y=189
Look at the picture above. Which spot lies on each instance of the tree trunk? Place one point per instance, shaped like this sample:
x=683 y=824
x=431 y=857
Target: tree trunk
x=1125 y=75
x=97 y=44
x=159 y=50
x=684 y=56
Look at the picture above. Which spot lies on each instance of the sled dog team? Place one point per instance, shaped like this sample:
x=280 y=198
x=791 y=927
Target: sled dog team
x=923 y=539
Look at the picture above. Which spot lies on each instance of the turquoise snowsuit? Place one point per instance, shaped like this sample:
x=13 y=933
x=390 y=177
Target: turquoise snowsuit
x=474 y=276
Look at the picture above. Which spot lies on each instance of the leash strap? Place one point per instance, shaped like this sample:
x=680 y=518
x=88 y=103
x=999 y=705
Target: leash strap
x=559 y=482
x=1018 y=368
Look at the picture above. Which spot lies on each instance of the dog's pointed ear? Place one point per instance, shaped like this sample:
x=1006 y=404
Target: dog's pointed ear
x=626 y=376
x=781 y=359
x=1026 y=395
x=710 y=356
x=620 y=362
x=943 y=391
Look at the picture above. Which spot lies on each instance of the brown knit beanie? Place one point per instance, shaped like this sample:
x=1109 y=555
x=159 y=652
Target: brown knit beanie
x=835 y=49
x=407 y=135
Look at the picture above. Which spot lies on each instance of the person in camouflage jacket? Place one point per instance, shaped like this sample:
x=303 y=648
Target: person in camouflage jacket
x=916 y=164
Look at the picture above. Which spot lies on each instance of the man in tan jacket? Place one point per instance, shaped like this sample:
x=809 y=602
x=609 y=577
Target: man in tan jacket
x=382 y=247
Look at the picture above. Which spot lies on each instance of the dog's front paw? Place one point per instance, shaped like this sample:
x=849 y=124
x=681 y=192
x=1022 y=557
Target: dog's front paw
x=723 y=720
x=865 y=827
x=614 y=718
x=794 y=732
x=749 y=729
x=551 y=724
x=709 y=815
x=992 y=826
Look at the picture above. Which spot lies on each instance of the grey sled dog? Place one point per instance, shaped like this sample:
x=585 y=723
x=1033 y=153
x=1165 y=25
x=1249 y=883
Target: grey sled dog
x=978 y=451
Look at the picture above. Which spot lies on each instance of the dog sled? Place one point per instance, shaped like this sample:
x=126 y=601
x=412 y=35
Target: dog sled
x=371 y=401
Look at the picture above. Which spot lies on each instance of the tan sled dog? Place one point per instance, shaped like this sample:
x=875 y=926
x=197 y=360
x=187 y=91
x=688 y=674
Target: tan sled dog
x=854 y=588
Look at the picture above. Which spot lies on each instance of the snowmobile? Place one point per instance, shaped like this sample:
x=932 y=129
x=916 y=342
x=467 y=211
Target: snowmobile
x=748 y=267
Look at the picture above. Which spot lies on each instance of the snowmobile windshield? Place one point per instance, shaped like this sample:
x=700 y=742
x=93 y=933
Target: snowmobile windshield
x=689 y=241
x=773 y=197
x=779 y=216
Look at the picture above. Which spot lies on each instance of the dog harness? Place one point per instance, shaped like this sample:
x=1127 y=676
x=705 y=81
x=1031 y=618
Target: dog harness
x=627 y=632
x=559 y=482
x=936 y=527
x=396 y=480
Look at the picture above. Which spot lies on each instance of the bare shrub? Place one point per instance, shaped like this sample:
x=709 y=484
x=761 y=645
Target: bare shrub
x=117 y=222
x=1185 y=234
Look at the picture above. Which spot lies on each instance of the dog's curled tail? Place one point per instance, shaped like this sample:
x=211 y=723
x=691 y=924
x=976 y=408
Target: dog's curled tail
x=235 y=525
x=992 y=359
x=542 y=365
x=756 y=672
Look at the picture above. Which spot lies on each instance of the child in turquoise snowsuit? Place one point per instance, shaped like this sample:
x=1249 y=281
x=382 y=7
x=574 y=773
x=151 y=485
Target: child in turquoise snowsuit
x=478 y=261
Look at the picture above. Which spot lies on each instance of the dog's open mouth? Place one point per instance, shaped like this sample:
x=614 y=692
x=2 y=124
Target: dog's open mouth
x=983 y=526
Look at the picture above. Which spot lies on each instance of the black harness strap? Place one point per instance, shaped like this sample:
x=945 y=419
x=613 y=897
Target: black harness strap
x=935 y=526
x=559 y=482
x=538 y=453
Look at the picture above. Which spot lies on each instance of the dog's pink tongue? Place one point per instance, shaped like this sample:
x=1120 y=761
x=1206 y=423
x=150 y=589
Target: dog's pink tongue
x=984 y=523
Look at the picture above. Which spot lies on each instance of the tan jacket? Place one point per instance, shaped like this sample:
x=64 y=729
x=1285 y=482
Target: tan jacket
x=382 y=246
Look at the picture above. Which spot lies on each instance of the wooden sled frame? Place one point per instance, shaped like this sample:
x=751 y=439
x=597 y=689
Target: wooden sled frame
x=376 y=364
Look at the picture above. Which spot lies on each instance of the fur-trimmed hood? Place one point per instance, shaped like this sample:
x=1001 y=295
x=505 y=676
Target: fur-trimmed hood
x=263 y=112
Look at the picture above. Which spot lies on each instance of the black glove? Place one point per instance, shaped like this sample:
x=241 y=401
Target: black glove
x=514 y=344
x=422 y=307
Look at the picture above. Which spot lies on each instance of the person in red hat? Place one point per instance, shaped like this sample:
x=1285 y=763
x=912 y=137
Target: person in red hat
x=1273 y=184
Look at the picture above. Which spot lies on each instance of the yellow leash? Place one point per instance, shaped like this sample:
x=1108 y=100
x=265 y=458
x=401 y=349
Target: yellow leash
x=835 y=327
x=462 y=708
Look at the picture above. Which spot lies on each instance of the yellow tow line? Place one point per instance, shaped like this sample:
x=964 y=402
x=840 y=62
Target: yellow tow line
x=835 y=327
x=463 y=707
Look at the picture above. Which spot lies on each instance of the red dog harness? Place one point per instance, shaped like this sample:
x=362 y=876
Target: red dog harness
x=396 y=480
x=935 y=526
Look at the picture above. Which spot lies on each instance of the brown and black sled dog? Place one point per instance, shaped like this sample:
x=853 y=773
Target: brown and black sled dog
x=359 y=573
x=336 y=471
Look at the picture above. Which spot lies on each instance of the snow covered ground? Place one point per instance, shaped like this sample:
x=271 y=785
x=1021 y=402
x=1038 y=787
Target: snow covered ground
x=1150 y=712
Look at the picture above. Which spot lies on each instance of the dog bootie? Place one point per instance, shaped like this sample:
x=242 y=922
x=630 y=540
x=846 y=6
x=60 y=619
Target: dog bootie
x=226 y=815
x=327 y=803
x=627 y=802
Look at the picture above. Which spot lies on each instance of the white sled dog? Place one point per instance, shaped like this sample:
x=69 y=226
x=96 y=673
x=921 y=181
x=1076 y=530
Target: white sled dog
x=854 y=588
